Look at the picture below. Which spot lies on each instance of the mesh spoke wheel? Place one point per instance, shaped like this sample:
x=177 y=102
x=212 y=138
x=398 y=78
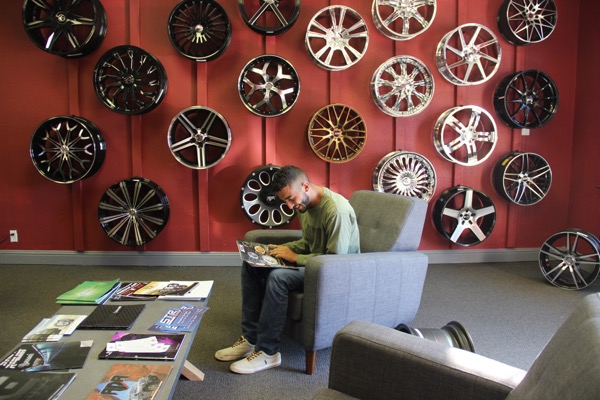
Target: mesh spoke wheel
x=67 y=149
x=199 y=29
x=403 y=20
x=134 y=211
x=523 y=22
x=465 y=135
x=269 y=17
x=199 y=137
x=269 y=86
x=337 y=133
x=526 y=99
x=128 y=80
x=405 y=173
x=260 y=204
x=402 y=86
x=468 y=55
x=570 y=259
x=522 y=178
x=68 y=28
x=336 y=38
x=464 y=216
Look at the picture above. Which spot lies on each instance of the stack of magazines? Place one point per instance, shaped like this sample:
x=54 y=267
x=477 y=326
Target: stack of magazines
x=89 y=292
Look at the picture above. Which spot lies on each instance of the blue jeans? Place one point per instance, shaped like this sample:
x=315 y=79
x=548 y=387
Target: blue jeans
x=265 y=293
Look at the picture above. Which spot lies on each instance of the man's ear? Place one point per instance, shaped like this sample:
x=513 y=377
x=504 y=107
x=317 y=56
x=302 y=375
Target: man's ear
x=305 y=186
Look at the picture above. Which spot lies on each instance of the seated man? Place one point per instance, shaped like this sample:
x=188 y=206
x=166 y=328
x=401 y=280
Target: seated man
x=328 y=227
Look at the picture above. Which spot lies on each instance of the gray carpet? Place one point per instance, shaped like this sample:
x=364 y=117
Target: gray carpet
x=508 y=308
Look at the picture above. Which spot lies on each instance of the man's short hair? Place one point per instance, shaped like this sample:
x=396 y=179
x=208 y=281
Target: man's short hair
x=286 y=176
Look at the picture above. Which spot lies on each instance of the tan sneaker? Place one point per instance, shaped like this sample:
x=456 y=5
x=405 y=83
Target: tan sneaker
x=256 y=362
x=240 y=349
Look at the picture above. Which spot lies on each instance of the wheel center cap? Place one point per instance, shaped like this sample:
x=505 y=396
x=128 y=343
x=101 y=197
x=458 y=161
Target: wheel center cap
x=61 y=18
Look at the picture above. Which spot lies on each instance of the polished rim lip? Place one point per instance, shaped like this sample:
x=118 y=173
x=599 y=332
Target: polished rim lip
x=500 y=170
x=511 y=36
x=270 y=31
x=390 y=33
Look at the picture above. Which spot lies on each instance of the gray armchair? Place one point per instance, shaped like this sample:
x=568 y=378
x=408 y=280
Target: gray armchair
x=383 y=284
x=396 y=365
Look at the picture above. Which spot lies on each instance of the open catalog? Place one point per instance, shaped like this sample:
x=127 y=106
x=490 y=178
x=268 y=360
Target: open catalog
x=257 y=255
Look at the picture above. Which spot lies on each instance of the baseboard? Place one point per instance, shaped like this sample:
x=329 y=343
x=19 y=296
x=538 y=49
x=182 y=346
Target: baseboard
x=216 y=259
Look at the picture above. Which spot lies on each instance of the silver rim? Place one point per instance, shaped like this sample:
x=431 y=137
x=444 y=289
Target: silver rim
x=199 y=137
x=405 y=173
x=403 y=20
x=468 y=55
x=402 y=86
x=336 y=38
x=465 y=135
x=524 y=22
x=522 y=178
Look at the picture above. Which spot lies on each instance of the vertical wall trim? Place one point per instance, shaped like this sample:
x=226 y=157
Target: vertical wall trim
x=202 y=175
x=77 y=187
x=270 y=124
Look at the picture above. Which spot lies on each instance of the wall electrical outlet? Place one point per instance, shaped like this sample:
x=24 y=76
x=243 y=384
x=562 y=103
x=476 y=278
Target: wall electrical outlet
x=14 y=236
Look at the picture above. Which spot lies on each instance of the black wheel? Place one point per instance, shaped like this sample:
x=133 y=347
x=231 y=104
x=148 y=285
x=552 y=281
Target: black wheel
x=134 y=211
x=524 y=22
x=260 y=204
x=199 y=29
x=67 y=149
x=129 y=80
x=464 y=215
x=68 y=28
x=522 y=178
x=269 y=86
x=199 y=137
x=269 y=17
x=570 y=259
x=526 y=99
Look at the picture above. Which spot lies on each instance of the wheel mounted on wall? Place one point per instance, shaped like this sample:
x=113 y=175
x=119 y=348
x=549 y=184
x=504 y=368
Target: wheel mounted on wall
x=405 y=173
x=67 y=149
x=401 y=20
x=199 y=137
x=468 y=55
x=134 y=211
x=269 y=17
x=269 y=86
x=527 y=99
x=522 y=178
x=336 y=38
x=129 y=80
x=402 y=86
x=260 y=203
x=570 y=259
x=67 y=28
x=337 y=133
x=199 y=29
x=464 y=215
x=524 y=22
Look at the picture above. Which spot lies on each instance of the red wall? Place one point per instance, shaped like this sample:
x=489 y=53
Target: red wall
x=205 y=212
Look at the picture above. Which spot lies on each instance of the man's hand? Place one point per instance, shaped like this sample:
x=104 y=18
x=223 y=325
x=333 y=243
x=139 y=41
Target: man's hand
x=283 y=252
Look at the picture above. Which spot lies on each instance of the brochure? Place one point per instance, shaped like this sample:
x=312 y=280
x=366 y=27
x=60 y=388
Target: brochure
x=33 y=357
x=52 y=329
x=126 y=292
x=257 y=255
x=131 y=381
x=162 y=288
x=143 y=346
x=20 y=385
x=89 y=292
x=199 y=291
x=183 y=319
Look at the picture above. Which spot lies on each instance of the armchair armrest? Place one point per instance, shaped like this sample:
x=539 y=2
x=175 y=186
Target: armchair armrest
x=273 y=236
x=375 y=362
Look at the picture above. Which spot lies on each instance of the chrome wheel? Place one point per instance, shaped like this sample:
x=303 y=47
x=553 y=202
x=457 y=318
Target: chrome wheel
x=68 y=28
x=269 y=86
x=468 y=55
x=199 y=29
x=336 y=38
x=128 y=80
x=134 y=211
x=523 y=22
x=402 y=86
x=337 y=133
x=570 y=259
x=269 y=17
x=464 y=216
x=465 y=135
x=522 y=178
x=526 y=99
x=260 y=203
x=403 y=20
x=199 y=137
x=67 y=149
x=405 y=173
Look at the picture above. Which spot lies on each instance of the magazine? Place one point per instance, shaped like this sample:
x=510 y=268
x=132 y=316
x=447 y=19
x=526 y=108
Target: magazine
x=183 y=319
x=127 y=290
x=257 y=255
x=163 y=288
x=143 y=346
x=52 y=329
x=18 y=385
x=89 y=292
x=33 y=357
x=131 y=381
x=199 y=291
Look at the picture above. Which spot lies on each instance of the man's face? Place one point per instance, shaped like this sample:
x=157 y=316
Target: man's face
x=295 y=196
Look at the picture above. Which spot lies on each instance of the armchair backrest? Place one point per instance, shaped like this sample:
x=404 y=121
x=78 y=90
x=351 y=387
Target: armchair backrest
x=388 y=222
